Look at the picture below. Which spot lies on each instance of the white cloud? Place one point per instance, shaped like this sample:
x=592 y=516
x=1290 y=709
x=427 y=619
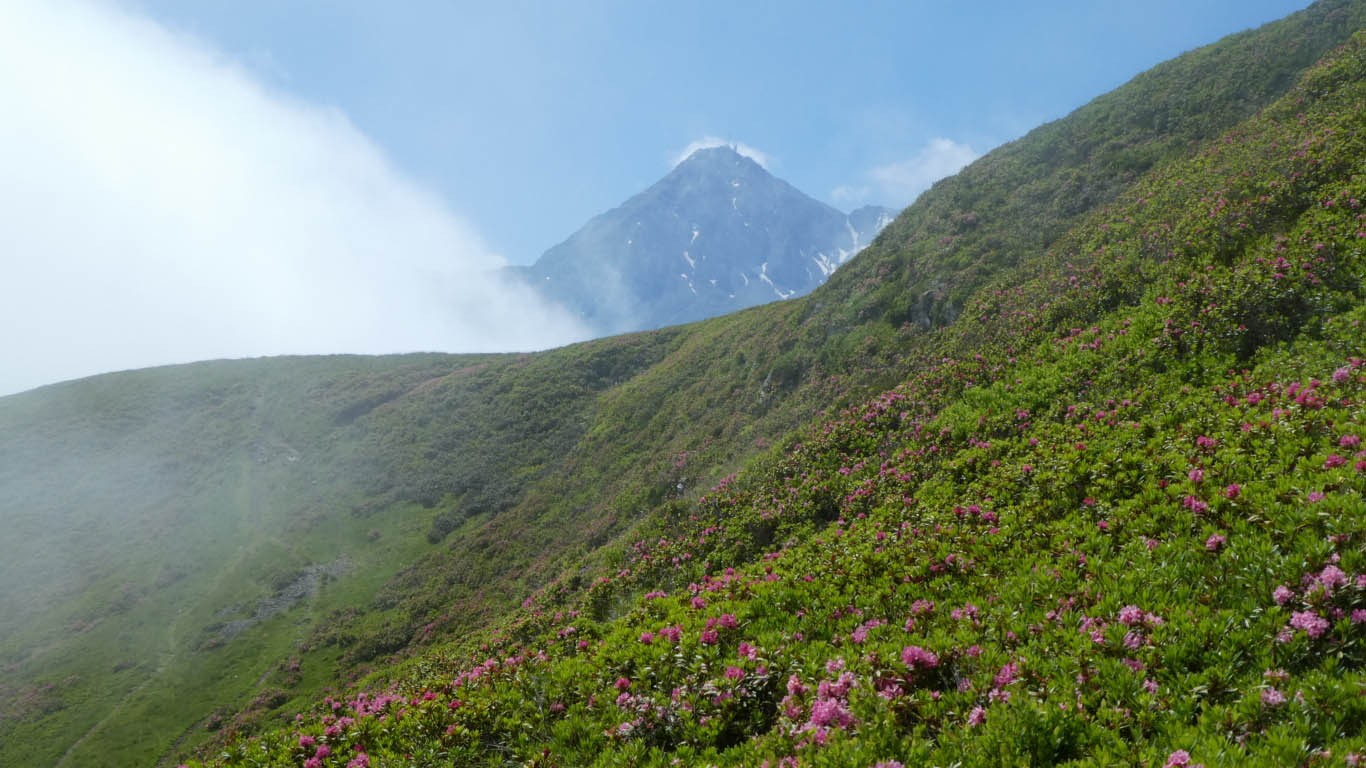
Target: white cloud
x=899 y=184
x=160 y=205
x=707 y=142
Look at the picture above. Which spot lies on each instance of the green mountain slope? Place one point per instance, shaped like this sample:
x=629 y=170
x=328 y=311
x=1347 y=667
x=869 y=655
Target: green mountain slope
x=1137 y=541
x=202 y=550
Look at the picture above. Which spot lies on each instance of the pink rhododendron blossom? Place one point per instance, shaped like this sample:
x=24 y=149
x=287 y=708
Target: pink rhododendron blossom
x=1332 y=577
x=916 y=657
x=1313 y=624
x=830 y=712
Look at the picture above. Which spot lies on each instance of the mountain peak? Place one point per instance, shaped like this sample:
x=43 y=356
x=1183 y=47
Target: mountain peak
x=717 y=234
x=720 y=155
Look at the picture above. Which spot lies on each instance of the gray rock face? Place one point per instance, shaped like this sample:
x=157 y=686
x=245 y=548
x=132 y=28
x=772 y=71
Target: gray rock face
x=717 y=234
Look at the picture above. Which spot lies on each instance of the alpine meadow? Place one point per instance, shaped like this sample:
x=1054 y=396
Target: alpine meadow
x=1065 y=468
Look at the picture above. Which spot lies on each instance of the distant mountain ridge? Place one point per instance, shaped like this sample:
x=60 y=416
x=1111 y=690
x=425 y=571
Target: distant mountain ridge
x=717 y=234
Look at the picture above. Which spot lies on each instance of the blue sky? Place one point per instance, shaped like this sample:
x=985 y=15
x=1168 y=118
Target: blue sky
x=530 y=117
x=198 y=179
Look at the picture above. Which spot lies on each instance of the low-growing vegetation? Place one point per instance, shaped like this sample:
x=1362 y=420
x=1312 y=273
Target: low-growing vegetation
x=1064 y=468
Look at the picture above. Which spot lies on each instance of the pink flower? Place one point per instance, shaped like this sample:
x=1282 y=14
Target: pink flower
x=825 y=712
x=1178 y=759
x=1331 y=577
x=1333 y=460
x=916 y=657
x=1282 y=595
x=1215 y=542
x=709 y=637
x=1008 y=674
x=1272 y=697
x=977 y=716
x=647 y=637
x=1349 y=441
x=1196 y=475
x=1232 y=491
x=1313 y=624
x=734 y=673
x=1131 y=615
x=622 y=684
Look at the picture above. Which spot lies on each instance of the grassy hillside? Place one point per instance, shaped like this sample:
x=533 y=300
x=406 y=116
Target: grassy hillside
x=201 y=551
x=1133 y=541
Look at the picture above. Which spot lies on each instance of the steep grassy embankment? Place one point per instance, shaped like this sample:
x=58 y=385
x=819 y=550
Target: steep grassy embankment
x=1136 y=540
x=203 y=549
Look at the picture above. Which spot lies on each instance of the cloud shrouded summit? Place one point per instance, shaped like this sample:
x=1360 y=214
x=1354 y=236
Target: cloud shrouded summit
x=711 y=142
x=162 y=206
